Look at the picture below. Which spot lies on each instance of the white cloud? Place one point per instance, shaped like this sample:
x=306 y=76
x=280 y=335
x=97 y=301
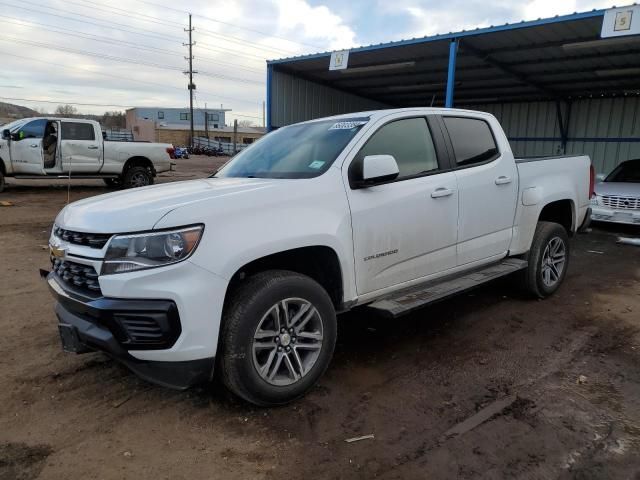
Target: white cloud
x=430 y=18
x=316 y=24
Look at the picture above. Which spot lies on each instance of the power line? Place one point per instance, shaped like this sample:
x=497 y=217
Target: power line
x=103 y=56
x=81 y=104
x=99 y=38
x=137 y=31
x=231 y=24
x=65 y=102
x=160 y=21
x=68 y=67
x=121 y=59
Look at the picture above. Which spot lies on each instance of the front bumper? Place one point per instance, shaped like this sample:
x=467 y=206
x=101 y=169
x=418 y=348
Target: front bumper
x=604 y=214
x=116 y=326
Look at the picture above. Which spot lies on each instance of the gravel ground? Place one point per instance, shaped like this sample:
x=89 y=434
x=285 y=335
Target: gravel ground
x=489 y=385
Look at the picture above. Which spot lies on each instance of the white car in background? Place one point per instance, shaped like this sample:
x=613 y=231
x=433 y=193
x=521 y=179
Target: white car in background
x=617 y=197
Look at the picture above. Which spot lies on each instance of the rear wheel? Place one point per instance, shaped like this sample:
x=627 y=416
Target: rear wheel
x=278 y=337
x=2 y=184
x=137 y=177
x=548 y=260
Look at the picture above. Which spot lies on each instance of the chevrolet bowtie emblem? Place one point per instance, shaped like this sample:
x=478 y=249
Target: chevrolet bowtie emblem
x=57 y=251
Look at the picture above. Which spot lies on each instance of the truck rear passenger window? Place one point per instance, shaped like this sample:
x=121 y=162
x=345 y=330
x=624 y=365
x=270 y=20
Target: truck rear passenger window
x=410 y=143
x=472 y=140
x=78 y=131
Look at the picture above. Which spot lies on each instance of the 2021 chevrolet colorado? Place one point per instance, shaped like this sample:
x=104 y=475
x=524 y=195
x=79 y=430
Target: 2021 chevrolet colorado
x=40 y=148
x=246 y=270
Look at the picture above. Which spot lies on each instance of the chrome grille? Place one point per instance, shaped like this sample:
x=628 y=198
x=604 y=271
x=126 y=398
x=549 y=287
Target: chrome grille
x=622 y=203
x=93 y=240
x=82 y=277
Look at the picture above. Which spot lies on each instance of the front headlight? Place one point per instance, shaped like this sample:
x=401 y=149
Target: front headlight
x=128 y=253
x=595 y=200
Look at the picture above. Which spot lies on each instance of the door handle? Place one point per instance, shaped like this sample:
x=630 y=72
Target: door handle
x=92 y=147
x=441 y=192
x=34 y=145
x=502 y=180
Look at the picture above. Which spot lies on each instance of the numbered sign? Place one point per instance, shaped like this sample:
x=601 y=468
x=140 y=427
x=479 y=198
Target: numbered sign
x=339 y=60
x=619 y=22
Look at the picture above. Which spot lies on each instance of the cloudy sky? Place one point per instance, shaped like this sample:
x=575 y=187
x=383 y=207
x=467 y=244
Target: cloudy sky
x=109 y=55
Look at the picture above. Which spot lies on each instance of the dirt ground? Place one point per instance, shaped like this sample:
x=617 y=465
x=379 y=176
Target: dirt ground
x=488 y=385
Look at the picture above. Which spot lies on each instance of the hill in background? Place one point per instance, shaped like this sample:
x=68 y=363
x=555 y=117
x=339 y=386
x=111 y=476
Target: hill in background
x=9 y=111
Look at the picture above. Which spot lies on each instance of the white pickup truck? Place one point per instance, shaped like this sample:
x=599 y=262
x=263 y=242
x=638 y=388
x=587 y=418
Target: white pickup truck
x=40 y=148
x=245 y=271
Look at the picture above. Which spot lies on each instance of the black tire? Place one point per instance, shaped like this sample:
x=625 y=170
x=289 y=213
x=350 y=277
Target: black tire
x=112 y=182
x=2 y=184
x=534 y=279
x=245 y=311
x=137 y=177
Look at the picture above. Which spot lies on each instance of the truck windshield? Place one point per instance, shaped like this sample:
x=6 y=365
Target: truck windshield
x=13 y=127
x=303 y=150
x=626 y=172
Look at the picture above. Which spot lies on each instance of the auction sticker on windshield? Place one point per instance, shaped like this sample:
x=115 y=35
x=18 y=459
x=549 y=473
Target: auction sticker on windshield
x=316 y=164
x=346 y=125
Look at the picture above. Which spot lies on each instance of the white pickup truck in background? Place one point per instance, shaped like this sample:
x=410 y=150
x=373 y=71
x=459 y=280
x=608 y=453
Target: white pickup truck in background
x=388 y=210
x=40 y=148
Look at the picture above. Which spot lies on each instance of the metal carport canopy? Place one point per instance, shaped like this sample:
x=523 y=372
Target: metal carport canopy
x=558 y=58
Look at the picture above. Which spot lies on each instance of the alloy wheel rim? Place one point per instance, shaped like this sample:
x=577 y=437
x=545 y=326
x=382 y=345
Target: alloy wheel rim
x=553 y=261
x=287 y=342
x=139 y=180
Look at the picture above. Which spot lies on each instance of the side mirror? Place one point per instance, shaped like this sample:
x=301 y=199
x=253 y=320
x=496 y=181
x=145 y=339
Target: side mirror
x=378 y=168
x=6 y=134
x=600 y=177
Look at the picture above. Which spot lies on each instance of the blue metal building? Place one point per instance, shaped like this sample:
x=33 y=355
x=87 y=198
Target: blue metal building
x=556 y=84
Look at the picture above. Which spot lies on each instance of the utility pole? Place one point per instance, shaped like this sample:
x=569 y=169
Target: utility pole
x=235 y=136
x=191 y=86
x=206 y=123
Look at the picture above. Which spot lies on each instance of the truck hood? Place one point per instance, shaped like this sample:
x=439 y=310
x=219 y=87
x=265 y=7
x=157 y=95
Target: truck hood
x=623 y=189
x=140 y=209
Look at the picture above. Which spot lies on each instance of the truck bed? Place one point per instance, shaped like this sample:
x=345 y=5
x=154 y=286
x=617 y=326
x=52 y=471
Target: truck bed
x=542 y=158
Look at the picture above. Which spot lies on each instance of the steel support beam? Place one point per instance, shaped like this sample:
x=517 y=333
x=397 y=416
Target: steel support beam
x=268 y=100
x=563 y=123
x=486 y=57
x=451 y=73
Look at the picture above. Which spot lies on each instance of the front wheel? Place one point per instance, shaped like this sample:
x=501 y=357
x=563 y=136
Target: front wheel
x=137 y=177
x=548 y=260
x=278 y=337
x=2 y=184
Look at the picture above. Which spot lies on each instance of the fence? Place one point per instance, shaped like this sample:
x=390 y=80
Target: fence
x=227 y=148
x=118 y=135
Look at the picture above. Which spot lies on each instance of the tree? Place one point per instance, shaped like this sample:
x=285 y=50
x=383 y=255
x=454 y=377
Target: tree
x=246 y=123
x=66 y=110
x=113 y=120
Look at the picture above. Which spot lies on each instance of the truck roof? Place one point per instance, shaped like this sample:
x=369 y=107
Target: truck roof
x=28 y=119
x=375 y=114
